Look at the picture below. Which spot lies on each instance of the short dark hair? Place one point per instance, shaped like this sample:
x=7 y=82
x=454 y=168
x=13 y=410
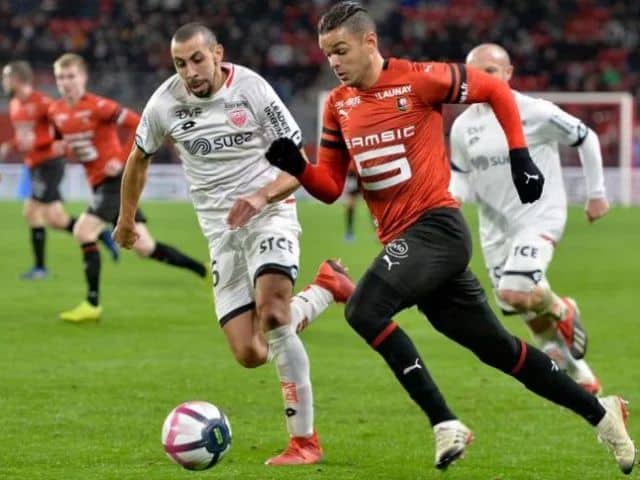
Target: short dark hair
x=68 y=59
x=351 y=15
x=21 y=70
x=190 y=30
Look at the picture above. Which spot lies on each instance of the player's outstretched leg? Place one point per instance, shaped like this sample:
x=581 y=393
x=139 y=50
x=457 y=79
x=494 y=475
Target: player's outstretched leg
x=331 y=284
x=612 y=431
x=32 y=211
x=477 y=328
x=38 y=271
x=571 y=328
x=563 y=338
x=369 y=312
x=110 y=244
x=167 y=254
x=89 y=310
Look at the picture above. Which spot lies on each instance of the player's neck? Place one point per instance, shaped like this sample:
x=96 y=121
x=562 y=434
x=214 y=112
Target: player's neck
x=219 y=78
x=24 y=92
x=372 y=75
x=72 y=100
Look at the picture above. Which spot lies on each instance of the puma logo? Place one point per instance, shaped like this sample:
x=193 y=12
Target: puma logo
x=531 y=177
x=390 y=263
x=415 y=366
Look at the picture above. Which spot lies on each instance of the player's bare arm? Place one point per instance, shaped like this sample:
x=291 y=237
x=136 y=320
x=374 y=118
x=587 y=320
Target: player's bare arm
x=133 y=181
x=244 y=208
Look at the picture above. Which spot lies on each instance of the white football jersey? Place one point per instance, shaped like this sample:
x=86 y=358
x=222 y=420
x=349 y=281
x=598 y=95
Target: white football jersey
x=481 y=168
x=222 y=139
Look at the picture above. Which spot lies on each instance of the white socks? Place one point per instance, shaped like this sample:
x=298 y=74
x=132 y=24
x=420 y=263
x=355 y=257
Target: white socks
x=307 y=305
x=292 y=365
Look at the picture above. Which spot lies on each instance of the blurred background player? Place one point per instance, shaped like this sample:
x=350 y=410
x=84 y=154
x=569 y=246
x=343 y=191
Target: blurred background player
x=89 y=127
x=352 y=191
x=518 y=240
x=389 y=110
x=34 y=141
x=231 y=116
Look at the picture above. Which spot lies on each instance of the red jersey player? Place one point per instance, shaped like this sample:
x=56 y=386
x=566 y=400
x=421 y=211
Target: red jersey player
x=34 y=140
x=89 y=125
x=386 y=116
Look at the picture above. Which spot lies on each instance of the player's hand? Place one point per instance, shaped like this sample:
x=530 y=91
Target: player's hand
x=244 y=208
x=285 y=154
x=113 y=167
x=596 y=208
x=125 y=234
x=527 y=177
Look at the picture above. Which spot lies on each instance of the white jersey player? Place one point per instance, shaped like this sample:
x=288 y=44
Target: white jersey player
x=221 y=119
x=518 y=239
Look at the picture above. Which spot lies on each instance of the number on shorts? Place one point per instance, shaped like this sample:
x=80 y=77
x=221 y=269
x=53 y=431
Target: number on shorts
x=215 y=274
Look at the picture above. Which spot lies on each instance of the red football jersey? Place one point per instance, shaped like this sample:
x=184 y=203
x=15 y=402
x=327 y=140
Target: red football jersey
x=31 y=125
x=393 y=132
x=90 y=130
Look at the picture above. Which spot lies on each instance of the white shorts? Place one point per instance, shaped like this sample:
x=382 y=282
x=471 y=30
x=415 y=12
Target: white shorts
x=268 y=242
x=520 y=264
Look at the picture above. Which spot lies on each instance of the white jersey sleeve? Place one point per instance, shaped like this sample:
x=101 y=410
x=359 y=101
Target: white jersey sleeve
x=559 y=126
x=150 y=132
x=459 y=185
x=272 y=114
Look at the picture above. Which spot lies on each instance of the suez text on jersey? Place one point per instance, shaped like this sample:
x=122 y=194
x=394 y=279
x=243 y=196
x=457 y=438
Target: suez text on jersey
x=203 y=146
x=387 y=136
x=280 y=243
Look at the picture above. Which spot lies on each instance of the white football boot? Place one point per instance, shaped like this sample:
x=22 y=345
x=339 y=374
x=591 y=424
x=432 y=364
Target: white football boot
x=612 y=431
x=452 y=436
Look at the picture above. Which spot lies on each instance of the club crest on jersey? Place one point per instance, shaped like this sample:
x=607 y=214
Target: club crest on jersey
x=397 y=248
x=238 y=117
x=402 y=103
x=237 y=113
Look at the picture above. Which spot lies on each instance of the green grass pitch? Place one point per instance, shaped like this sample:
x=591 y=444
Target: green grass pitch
x=87 y=402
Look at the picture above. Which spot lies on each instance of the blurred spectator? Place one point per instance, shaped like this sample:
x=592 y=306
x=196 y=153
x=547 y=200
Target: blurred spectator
x=578 y=45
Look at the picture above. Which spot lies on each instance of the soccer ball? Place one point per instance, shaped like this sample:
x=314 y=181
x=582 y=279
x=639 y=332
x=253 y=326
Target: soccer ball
x=196 y=435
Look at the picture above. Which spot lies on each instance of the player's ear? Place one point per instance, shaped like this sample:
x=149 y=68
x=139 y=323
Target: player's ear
x=371 y=41
x=218 y=52
x=509 y=72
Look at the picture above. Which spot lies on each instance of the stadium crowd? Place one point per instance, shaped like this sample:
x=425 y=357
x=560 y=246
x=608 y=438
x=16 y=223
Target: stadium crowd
x=579 y=45
x=572 y=45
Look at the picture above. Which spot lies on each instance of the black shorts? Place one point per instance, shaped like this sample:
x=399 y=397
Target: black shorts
x=106 y=201
x=46 y=179
x=429 y=262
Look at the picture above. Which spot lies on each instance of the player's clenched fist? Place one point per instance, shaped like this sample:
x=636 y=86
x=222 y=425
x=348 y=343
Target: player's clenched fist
x=285 y=154
x=125 y=234
x=527 y=177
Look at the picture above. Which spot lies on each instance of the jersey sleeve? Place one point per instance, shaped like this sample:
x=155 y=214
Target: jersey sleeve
x=460 y=184
x=326 y=180
x=107 y=110
x=557 y=125
x=150 y=132
x=271 y=112
x=438 y=83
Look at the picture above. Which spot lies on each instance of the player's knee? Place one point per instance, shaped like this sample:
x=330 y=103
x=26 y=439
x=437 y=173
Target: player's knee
x=364 y=319
x=501 y=353
x=273 y=313
x=248 y=356
x=521 y=301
